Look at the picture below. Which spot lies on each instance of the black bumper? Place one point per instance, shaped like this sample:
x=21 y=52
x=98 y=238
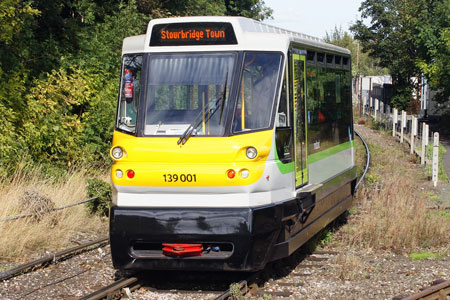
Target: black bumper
x=246 y=237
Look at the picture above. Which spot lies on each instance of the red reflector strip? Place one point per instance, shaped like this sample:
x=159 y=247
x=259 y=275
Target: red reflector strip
x=182 y=249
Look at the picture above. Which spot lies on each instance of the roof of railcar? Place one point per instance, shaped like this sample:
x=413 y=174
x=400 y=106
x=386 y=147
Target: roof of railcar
x=250 y=35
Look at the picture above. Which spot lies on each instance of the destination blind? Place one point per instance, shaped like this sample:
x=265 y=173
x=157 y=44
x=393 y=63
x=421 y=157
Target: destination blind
x=189 y=34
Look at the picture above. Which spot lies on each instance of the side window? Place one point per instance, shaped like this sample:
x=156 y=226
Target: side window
x=282 y=119
x=129 y=92
x=283 y=132
x=257 y=91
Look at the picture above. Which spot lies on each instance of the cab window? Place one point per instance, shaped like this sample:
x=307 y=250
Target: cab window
x=129 y=93
x=257 y=91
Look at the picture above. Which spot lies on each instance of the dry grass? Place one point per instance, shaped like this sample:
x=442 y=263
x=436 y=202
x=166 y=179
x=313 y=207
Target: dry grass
x=392 y=211
x=348 y=266
x=27 y=193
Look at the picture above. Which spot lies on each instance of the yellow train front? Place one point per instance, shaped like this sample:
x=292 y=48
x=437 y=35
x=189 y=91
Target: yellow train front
x=211 y=147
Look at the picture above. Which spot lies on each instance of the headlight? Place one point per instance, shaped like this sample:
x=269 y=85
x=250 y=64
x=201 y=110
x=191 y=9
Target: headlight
x=245 y=173
x=251 y=152
x=117 y=152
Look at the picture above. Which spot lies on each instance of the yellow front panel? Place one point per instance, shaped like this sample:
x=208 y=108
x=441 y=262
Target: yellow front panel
x=202 y=161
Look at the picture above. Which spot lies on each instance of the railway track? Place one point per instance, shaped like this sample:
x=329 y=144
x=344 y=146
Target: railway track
x=277 y=280
x=440 y=290
x=52 y=258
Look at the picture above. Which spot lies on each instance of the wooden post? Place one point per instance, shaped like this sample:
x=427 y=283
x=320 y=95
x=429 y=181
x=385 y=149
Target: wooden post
x=403 y=125
x=435 y=164
x=360 y=89
x=427 y=134
x=394 y=121
x=422 y=155
x=376 y=108
x=364 y=106
x=413 y=124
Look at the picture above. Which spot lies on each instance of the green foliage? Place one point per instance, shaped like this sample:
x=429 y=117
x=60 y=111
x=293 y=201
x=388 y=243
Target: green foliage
x=328 y=238
x=15 y=15
x=59 y=72
x=408 y=37
x=255 y=9
x=235 y=292
x=372 y=178
x=102 y=190
x=53 y=120
x=376 y=125
x=432 y=39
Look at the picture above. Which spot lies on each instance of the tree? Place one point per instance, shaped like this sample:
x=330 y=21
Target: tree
x=432 y=39
x=408 y=37
x=255 y=9
x=60 y=69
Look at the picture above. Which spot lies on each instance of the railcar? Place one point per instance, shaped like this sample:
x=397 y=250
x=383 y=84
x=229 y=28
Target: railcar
x=233 y=144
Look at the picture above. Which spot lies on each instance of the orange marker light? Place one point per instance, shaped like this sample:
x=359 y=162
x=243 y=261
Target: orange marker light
x=231 y=174
x=130 y=174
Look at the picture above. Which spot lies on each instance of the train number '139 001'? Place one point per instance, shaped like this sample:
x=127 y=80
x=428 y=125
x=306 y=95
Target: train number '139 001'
x=180 y=177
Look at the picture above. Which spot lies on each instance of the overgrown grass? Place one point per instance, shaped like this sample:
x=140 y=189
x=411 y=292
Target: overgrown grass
x=27 y=191
x=391 y=206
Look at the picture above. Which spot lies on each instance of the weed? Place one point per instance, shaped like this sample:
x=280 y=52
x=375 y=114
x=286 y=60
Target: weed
x=444 y=214
x=352 y=211
x=102 y=190
x=348 y=266
x=328 y=238
x=432 y=196
x=372 y=178
x=423 y=255
x=235 y=292
x=376 y=125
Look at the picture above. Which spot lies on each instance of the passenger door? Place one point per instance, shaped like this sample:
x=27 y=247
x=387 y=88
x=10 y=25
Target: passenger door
x=298 y=83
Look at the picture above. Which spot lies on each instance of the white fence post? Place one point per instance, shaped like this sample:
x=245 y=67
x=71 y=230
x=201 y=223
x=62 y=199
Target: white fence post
x=422 y=156
x=427 y=134
x=403 y=125
x=364 y=105
x=413 y=129
x=394 y=121
x=435 y=163
x=376 y=108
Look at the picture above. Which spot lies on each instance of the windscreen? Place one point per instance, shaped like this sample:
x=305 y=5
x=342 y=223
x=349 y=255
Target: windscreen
x=188 y=89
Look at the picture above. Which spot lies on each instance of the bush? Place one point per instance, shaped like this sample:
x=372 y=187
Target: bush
x=102 y=190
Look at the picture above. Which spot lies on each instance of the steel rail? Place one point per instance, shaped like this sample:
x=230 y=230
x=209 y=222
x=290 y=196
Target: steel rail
x=49 y=258
x=112 y=288
x=367 y=161
x=435 y=292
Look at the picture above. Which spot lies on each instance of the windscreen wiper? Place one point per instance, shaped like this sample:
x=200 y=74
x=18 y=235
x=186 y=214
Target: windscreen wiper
x=191 y=129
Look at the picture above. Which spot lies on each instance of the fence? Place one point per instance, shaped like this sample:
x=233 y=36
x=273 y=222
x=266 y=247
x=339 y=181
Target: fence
x=409 y=129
